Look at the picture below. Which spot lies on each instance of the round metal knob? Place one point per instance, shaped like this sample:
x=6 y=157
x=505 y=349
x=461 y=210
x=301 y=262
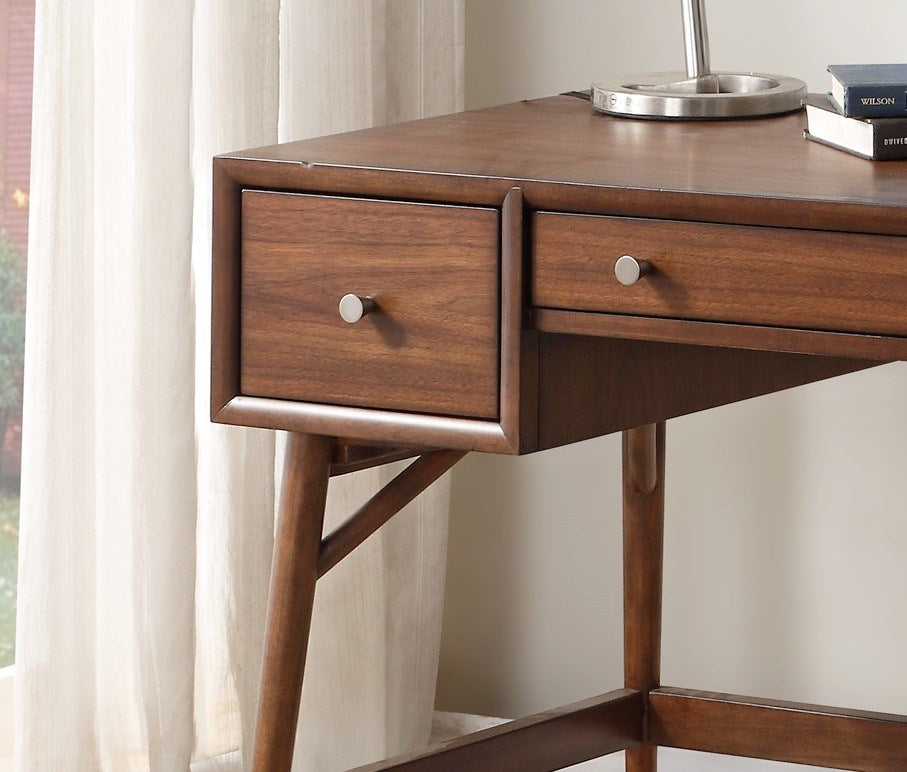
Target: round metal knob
x=629 y=270
x=353 y=307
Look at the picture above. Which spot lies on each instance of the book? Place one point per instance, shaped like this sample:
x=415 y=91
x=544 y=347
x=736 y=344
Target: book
x=869 y=90
x=879 y=139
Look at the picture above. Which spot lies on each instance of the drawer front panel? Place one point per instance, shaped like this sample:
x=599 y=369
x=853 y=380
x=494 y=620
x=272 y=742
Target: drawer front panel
x=768 y=276
x=431 y=343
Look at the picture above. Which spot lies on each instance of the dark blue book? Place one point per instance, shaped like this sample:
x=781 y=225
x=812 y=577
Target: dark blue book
x=869 y=90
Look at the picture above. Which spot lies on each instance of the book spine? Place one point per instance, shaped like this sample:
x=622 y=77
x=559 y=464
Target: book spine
x=889 y=101
x=889 y=142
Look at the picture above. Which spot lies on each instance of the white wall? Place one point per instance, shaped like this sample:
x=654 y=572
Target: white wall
x=518 y=49
x=786 y=526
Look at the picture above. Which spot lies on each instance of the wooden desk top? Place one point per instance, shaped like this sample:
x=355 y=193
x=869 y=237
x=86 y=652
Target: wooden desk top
x=500 y=323
x=567 y=157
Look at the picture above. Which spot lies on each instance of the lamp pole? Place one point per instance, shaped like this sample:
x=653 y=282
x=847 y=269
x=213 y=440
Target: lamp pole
x=698 y=93
x=695 y=38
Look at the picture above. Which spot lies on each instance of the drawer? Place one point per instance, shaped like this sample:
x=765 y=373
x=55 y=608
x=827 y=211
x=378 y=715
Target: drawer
x=430 y=345
x=782 y=277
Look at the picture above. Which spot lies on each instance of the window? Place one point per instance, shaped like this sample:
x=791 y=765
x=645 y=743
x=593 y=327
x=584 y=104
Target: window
x=17 y=22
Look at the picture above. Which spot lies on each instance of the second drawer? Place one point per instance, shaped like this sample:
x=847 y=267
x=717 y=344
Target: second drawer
x=768 y=276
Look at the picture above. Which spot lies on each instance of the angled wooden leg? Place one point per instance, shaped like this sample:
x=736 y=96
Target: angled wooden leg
x=294 y=571
x=643 y=488
x=384 y=505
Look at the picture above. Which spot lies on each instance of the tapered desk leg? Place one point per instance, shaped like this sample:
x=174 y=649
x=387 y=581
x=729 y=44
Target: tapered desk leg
x=643 y=489
x=294 y=571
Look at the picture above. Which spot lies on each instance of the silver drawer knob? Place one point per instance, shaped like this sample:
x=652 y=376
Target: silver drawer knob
x=353 y=307
x=629 y=270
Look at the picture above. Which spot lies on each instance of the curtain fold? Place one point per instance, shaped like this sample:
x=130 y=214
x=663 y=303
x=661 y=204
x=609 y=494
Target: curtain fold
x=146 y=531
x=235 y=90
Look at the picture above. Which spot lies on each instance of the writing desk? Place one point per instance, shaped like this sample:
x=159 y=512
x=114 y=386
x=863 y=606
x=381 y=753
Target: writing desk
x=478 y=257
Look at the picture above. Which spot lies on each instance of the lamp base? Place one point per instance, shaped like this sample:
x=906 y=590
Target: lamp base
x=716 y=96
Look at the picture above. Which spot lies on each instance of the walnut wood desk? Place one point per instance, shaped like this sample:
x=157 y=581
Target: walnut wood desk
x=479 y=250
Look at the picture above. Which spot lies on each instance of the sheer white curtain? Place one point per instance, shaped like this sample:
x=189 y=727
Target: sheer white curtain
x=146 y=532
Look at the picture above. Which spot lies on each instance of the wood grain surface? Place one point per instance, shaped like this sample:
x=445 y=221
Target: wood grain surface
x=806 y=287
x=550 y=740
x=350 y=457
x=643 y=454
x=721 y=334
x=294 y=572
x=381 y=507
x=778 y=731
x=593 y=386
x=225 y=279
x=519 y=342
x=432 y=344
x=766 y=276
x=566 y=157
x=420 y=430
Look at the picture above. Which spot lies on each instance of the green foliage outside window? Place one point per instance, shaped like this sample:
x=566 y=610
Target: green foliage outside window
x=12 y=331
x=12 y=342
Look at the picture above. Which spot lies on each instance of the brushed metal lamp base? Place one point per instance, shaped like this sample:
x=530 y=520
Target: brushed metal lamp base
x=714 y=96
x=698 y=93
